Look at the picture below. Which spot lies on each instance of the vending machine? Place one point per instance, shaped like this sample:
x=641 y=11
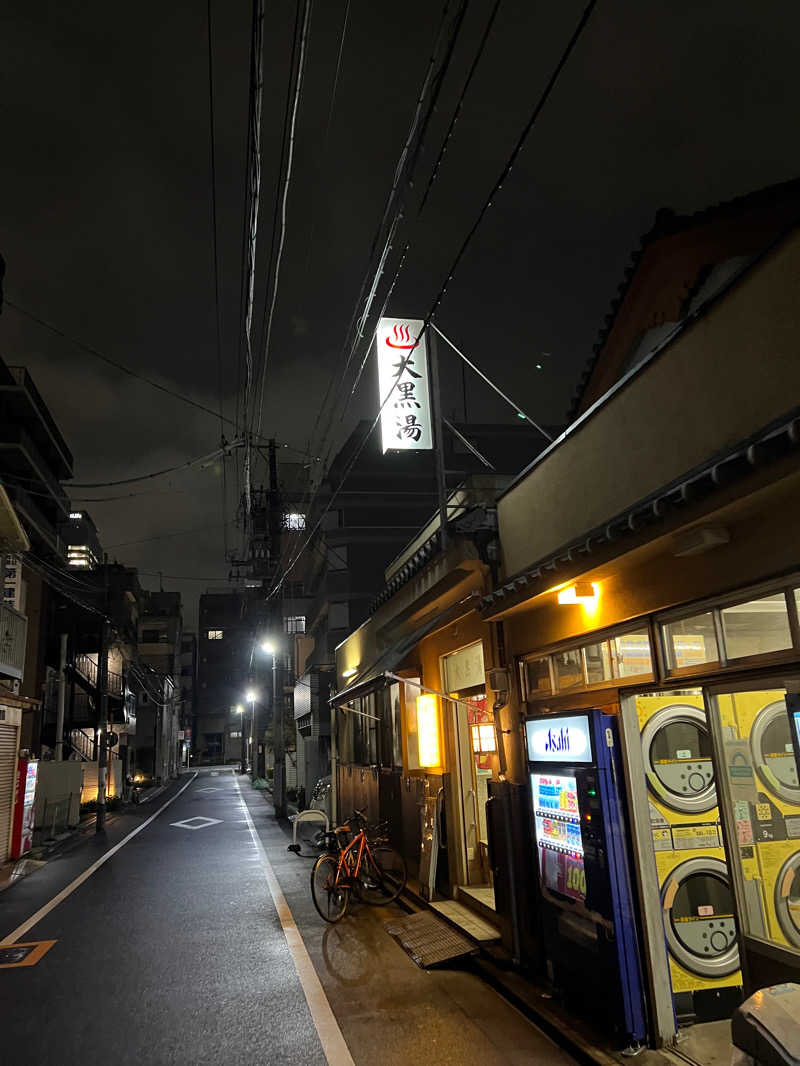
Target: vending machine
x=580 y=840
x=24 y=799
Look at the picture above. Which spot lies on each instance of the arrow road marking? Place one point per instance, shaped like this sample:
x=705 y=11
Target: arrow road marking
x=201 y=823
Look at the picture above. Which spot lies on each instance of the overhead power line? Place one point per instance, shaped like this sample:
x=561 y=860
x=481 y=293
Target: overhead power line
x=90 y=350
x=446 y=36
x=269 y=305
x=324 y=154
x=215 y=257
x=159 y=473
x=167 y=536
x=392 y=213
x=506 y=170
x=431 y=181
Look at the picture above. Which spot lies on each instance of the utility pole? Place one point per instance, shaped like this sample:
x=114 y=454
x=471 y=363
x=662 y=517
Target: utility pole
x=275 y=533
x=438 y=424
x=62 y=695
x=102 y=703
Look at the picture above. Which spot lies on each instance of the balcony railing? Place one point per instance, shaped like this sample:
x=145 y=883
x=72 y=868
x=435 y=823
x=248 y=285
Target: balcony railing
x=13 y=637
x=86 y=665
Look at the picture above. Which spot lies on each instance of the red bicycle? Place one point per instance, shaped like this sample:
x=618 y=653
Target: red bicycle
x=366 y=864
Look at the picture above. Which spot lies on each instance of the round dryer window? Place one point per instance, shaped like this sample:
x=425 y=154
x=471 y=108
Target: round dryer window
x=787 y=899
x=677 y=757
x=773 y=754
x=698 y=917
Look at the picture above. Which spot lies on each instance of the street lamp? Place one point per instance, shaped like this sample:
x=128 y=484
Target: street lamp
x=279 y=777
x=240 y=711
x=251 y=696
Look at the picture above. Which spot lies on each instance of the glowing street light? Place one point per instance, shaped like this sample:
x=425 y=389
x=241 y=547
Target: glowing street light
x=251 y=695
x=268 y=647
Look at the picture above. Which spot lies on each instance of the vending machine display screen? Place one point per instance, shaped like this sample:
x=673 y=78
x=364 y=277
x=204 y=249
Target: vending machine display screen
x=558 y=834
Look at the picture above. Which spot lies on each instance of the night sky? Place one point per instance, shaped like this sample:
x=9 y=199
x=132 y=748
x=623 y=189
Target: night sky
x=105 y=217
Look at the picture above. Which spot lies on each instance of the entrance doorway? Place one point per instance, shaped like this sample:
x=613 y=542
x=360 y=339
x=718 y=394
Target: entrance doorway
x=756 y=733
x=688 y=901
x=476 y=748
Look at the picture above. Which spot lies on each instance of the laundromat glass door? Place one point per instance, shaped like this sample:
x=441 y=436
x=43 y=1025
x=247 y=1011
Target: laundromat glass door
x=760 y=808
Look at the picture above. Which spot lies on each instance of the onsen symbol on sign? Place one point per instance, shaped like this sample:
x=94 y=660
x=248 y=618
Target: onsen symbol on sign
x=402 y=337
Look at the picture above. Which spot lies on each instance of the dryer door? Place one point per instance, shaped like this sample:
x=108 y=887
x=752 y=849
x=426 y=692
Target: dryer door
x=787 y=899
x=676 y=747
x=773 y=752
x=698 y=917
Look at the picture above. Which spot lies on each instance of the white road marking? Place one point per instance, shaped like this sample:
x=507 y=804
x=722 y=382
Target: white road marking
x=202 y=823
x=212 y=788
x=29 y=923
x=330 y=1035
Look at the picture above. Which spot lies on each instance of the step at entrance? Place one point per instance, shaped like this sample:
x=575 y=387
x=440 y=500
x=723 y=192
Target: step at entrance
x=428 y=940
x=466 y=919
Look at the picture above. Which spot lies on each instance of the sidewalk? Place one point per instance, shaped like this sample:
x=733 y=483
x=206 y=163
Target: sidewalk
x=390 y=1010
x=489 y=966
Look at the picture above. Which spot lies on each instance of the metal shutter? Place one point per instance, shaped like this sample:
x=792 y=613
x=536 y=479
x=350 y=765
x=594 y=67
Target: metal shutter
x=8 y=763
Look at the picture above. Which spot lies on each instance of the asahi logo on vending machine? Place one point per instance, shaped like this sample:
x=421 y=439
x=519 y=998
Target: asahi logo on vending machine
x=406 y=423
x=559 y=740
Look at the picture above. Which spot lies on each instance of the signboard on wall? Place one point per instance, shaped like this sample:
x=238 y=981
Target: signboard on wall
x=406 y=423
x=464 y=668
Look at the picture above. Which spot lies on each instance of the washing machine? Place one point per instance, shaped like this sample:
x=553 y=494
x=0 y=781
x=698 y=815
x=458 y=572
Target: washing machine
x=696 y=895
x=762 y=719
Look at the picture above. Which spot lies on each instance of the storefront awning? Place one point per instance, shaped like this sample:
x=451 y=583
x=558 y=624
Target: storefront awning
x=380 y=673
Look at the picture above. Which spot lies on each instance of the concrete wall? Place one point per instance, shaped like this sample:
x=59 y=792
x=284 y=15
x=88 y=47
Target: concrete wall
x=58 y=782
x=729 y=374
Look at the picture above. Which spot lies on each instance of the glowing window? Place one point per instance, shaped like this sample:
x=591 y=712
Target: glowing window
x=295 y=521
x=214 y=634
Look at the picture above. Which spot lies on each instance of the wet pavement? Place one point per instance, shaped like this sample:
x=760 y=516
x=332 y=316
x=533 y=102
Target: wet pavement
x=181 y=948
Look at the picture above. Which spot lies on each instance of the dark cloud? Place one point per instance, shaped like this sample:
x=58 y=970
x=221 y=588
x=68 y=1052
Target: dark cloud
x=105 y=212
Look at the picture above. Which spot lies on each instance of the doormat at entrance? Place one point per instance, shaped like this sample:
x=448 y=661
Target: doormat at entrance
x=428 y=940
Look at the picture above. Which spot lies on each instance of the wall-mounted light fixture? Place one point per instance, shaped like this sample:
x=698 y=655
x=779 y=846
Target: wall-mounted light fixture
x=351 y=672
x=581 y=592
x=428 y=730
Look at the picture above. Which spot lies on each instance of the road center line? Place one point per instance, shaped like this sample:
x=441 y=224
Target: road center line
x=29 y=923
x=330 y=1035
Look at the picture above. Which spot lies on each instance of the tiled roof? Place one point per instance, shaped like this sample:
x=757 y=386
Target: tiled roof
x=666 y=224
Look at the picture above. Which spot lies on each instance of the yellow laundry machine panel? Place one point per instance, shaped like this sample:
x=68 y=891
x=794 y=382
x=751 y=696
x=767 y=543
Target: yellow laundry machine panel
x=696 y=897
x=699 y=921
x=761 y=718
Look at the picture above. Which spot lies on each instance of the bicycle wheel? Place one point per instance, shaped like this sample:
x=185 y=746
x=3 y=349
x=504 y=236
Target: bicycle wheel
x=382 y=876
x=330 y=897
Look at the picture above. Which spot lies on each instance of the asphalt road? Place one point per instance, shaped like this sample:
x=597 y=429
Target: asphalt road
x=173 y=952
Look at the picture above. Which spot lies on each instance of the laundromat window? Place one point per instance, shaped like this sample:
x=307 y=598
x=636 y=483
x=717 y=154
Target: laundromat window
x=568 y=666
x=757 y=627
x=633 y=654
x=598 y=662
x=537 y=677
x=691 y=641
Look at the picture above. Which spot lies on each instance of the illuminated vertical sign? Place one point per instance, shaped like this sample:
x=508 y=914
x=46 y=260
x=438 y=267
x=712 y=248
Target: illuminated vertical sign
x=406 y=423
